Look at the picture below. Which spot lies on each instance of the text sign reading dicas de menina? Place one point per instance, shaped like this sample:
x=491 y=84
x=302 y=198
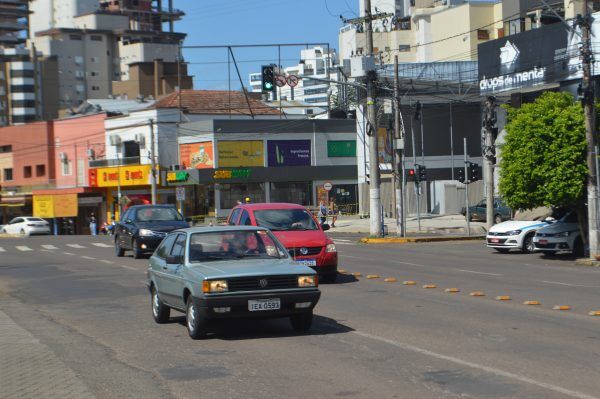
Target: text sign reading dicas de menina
x=289 y=152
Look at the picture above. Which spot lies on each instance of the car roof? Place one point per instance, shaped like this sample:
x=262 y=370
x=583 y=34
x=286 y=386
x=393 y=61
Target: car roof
x=208 y=229
x=270 y=205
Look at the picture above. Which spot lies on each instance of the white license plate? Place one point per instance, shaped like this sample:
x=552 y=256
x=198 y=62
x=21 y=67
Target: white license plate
x=306 y=262
x=494 y=240
x=264 y=304
x=543 y=242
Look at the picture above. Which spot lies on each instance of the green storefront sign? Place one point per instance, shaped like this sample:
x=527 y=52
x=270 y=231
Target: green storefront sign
x=341 y=148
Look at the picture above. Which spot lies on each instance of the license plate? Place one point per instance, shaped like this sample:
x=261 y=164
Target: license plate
x=264 y=304
x=543 y=241
x=494 y=240
x=306 y=262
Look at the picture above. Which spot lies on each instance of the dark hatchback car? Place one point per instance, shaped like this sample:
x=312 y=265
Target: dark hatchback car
x=143 y=227
x=478 y=212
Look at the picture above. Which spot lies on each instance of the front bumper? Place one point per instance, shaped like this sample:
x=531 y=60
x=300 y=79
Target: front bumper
x=503 y=241
x=149 y=243
x=327 y=262
x=552 y=244
x=239 y=304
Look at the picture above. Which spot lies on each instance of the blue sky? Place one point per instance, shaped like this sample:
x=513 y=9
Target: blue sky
x=229 y=22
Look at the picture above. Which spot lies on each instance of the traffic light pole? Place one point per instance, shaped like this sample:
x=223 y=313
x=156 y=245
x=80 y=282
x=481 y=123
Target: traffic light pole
x=467 y=214
x=398 y=160
x=488 y=162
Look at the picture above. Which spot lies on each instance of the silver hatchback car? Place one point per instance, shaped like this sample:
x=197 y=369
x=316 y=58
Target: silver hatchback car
x=229 y=272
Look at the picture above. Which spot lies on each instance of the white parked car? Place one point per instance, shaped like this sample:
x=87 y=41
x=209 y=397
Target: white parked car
x=26 y=226
x=515 y=234
x=563 y=235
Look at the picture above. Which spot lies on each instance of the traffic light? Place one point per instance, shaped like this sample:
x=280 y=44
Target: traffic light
x=461 y=175
x=268 y=78
x=410 y=175
x=473 y=172
x=421 y=172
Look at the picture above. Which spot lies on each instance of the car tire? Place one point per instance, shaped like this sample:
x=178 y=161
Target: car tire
x=502 y=250
x=528 y=246
x=135 y=247
x=497 y=219
x=120 y=252
x=578 y=249
x=160 y=311
x=329 y=278
x=302 y=322
x=194 y=321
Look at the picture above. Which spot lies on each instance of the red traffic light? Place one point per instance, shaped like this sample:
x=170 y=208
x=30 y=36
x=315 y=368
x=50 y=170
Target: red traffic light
x=411 y=172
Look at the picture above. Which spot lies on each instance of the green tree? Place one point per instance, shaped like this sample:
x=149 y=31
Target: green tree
x=544 y=155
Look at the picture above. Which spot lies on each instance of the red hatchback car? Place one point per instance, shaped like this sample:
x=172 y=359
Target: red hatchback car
x=297 y=229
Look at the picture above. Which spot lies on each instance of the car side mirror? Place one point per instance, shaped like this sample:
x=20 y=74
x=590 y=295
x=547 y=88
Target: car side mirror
x=128 y=221
x=174 y=260
x=325 y=227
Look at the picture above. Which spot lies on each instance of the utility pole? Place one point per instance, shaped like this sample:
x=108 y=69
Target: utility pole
x=467 y=214
x=398 y=159
x=152 y=162
x=585 y=23
x=489 y=155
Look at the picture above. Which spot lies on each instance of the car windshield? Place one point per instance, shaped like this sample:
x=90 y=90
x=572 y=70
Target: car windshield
x=157 y=215
x=234 y=245
x=285 y=219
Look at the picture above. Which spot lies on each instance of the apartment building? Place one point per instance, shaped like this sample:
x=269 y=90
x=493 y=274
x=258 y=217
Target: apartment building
x=108 y=48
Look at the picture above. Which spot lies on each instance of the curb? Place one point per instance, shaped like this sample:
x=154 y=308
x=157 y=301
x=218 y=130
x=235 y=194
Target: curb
x=410 y=240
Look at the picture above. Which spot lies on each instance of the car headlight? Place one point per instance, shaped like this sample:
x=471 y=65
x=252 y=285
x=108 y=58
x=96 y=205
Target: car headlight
x=563 y=234
x=330 y=248
x=308 y=281
x=145 y=232
x=513 y=232
x=210 y=286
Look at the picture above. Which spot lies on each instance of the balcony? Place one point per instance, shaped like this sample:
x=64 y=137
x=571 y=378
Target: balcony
x=104 y=163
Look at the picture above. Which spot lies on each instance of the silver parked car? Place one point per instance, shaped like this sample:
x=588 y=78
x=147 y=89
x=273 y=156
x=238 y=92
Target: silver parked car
x=229 y=272
x=564 y=235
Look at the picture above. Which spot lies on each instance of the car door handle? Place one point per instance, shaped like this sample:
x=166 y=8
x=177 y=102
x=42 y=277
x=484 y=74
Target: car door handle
x=164 y=267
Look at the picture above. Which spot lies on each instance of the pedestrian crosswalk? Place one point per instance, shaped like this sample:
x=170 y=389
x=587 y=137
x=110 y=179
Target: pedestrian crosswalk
x=51 y=247
x=46 y=246
x=23 y=248
x=75 y=246
x=101 y=245
x=2 y=249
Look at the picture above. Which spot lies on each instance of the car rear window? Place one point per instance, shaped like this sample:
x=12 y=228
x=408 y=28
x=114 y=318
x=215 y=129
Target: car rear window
x=285 y=219
x=35 y=220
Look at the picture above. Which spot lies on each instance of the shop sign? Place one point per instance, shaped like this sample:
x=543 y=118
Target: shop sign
x=177 y=177
x=90 y=200
x=55 y=206
x=224 y=174
x=341 y=148
x=240 y=153
x=289 y=152
x=197 y=155
x=384 y=145
x=138 y=175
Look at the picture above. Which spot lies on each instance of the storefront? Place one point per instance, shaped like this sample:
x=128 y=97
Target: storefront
x=13 y=205
x=132 y=183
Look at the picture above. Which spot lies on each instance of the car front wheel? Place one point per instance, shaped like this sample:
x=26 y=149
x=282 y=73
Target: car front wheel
x=528 y=246
x=120 y=252
x=160 y=311
x=302 y=322
x=196 y=323
x=137 y=251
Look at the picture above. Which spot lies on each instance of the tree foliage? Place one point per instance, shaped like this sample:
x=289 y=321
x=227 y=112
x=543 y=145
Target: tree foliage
x=544 y=154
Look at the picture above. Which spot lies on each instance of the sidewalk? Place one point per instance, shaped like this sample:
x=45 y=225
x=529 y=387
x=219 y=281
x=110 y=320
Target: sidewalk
x=29 y=369
x=431 y=225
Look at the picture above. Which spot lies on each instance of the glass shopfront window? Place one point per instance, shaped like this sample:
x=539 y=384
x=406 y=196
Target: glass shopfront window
x=231 y=193
x=294 y=192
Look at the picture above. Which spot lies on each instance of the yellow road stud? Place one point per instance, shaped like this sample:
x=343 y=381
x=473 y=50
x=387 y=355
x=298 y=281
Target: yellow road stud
x=594 y=313
x=452 y=290
x=477 y=293
x=409 y=282
x=503 y=298
x=531 y=303
x=372 y=276
x=561 y=307
x=342 y=271
x=357 y=274
x=390 y=280
x=427 y=286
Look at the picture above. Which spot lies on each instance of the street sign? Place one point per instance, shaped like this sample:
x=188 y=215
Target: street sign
x=328 y=186
x=180 y=193
x=292 y=80
x=280 y=80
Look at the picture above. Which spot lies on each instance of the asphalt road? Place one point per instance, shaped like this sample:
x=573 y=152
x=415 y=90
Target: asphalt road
x=371 y=339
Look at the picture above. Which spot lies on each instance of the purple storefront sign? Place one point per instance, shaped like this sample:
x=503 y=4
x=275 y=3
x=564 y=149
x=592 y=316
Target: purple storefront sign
x=289 y=152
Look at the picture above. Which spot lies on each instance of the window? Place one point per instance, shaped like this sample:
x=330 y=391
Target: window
x=404 y=47
x=159 y=214
x=231 y=193
x=165 y=246
x=285 y=219
x=234 y=216
x=40 y=170
x=95 y=88
x=293 y=192
x=8 y=175
x=94 y=73
x=78 y=60
x=225 y=245
x=131 y=149
x=179 y=246
x=483 y=34
x=94 y=59
x=245 y=219
x=319 y=90
x=27 y=171
x=96 y=38
x=79 y=89
x=5 y=148
x=67 y=168
x=74 y=37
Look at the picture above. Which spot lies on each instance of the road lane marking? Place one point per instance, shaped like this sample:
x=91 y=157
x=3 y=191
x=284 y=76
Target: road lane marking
x=466 y=363
x=46 y=246
x=474 y=272
x=2 y=249
x=351 y=256
x=342 y=243
x=108 y=262
x=101 y=245
x=68 y=253
x=75 y=246
x=570 y=285
x=128 y=267
x=88 y=257
x=410 y=264
x=341 y=240
x=23 y=248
